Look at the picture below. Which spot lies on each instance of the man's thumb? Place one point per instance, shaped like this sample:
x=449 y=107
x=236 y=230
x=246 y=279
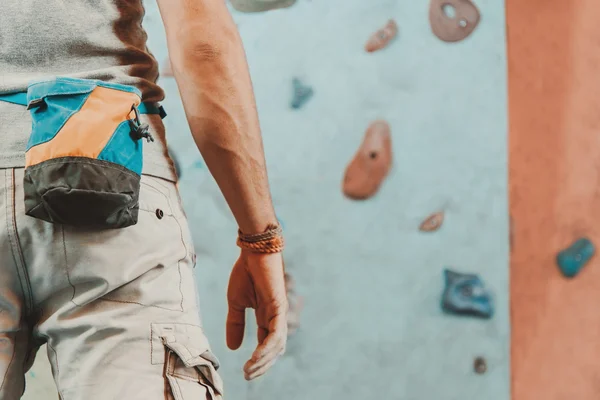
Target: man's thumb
x=235 y=327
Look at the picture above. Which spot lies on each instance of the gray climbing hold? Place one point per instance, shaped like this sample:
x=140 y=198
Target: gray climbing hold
x=302 y=93
x=572 y=259
x=479 y=365
x=465 y=294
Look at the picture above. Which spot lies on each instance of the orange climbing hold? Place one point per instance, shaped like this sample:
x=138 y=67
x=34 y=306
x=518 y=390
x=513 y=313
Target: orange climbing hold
x=382 y=37
x=433 y=222
x=453 y=20
x=371 y=163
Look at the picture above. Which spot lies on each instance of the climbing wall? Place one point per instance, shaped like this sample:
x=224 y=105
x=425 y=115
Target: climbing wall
x=371 y=280
x=554 y=181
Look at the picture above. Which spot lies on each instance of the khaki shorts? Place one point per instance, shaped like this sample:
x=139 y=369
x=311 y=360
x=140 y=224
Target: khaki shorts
x=117 y=308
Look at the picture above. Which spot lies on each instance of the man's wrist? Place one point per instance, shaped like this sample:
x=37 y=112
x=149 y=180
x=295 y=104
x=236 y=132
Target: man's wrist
x=259 y=224
x=269 y=241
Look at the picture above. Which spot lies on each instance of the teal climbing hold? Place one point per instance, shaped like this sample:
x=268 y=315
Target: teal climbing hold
x=466 y=294
x=302 y=93
x=572 y=259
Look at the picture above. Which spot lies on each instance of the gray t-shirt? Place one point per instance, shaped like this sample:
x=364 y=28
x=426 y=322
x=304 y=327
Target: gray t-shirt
x=95 y=39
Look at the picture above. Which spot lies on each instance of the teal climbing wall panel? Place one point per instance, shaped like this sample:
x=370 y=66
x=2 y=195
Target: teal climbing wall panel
x=372 y=324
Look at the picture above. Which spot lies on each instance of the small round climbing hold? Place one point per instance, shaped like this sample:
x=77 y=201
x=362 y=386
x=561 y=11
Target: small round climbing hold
x=479 y=365
x=159 y=213
x=433 y=222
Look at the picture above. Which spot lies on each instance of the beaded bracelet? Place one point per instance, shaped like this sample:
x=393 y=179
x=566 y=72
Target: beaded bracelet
x=269 y=241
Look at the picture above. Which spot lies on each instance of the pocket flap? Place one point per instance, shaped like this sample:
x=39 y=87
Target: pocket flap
x=191 y=345
x=58 y=87
x=62 y=86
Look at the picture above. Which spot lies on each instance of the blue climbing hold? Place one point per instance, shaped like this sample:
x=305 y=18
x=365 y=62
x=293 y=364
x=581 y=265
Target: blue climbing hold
x=302 y=93
x=572 y=259
x=465 y=294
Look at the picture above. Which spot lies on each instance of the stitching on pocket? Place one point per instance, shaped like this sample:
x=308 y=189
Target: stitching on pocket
x=187 y=244
x=10 y=207
x=139 y=304
x=191 y=332
x=144 y=183
x=146 y=204
x=174 y=191
x=62 y=229
x=178 y=386
x=183 y=376
x=185 y=247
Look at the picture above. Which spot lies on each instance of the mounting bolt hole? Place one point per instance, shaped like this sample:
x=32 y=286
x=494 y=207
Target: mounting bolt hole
x=449 y=11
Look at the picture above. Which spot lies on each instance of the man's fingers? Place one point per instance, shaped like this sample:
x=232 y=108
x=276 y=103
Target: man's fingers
x=260 y=371
x=268 y=358
x=272 y=346
x=236 y=321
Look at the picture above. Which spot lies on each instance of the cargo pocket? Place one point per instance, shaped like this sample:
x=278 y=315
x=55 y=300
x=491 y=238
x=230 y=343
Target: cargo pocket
x=190 y=366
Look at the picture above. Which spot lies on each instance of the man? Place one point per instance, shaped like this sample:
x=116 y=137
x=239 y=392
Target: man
x=118 y=308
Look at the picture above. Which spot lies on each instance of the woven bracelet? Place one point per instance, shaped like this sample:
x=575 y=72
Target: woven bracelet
x=269 y=241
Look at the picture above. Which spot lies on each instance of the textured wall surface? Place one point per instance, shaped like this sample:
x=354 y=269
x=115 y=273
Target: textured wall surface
x=372 y=324
x=554 y=155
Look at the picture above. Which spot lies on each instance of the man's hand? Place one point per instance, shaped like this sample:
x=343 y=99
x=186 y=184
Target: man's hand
x=257 y=281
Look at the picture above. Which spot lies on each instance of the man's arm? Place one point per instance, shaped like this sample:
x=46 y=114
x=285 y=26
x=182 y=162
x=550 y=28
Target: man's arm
x=209 y=65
